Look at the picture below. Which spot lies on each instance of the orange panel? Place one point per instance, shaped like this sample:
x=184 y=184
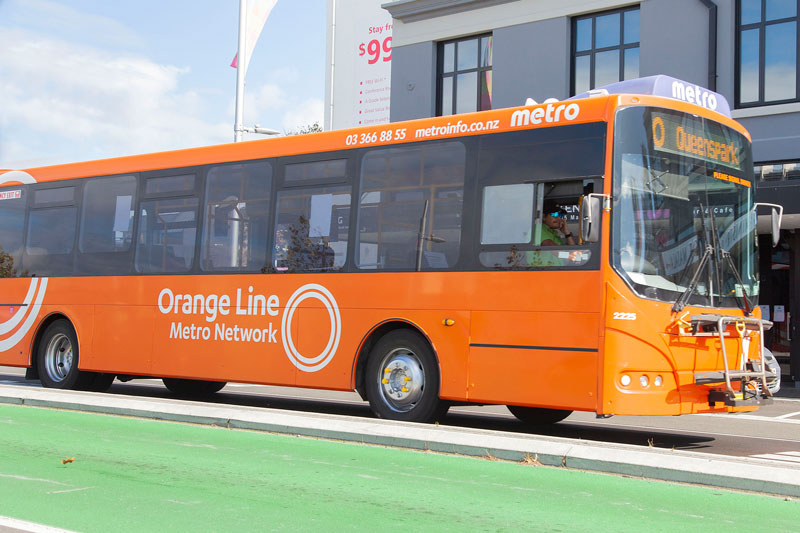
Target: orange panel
x=541 y=378
x=125 y=342
x=544 y=359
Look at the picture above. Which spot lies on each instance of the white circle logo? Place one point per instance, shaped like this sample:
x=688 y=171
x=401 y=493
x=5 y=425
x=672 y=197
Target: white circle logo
x=16 y=176
x=318 y=362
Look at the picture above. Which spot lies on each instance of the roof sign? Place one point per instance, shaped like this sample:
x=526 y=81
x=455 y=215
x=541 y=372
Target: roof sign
x=668 y=87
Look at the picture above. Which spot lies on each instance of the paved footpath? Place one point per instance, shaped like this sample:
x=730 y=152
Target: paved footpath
x=144 y=475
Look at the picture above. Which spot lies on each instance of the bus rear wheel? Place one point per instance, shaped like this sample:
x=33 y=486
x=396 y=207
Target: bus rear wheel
x=57 y=359
x=538 y=416
x=402 y=378
x=193 y=387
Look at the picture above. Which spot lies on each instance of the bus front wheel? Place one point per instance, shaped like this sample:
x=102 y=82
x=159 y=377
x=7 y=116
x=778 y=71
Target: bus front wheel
x=538 y=416
x=57 y=359
x=403 y=378
x=193 y=387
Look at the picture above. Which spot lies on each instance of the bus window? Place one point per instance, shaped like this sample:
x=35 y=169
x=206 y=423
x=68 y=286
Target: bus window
x=12 y=224
x=236 y=222
x=538 y=220
x=50 y=239
x=107 y=215
x=331 y=169
x=311 y=229
x=167 y=232
x=530 y=185
x=410 y=210
x=507 y=214
x=170 y=184
x=51 y=236
x=59 y=195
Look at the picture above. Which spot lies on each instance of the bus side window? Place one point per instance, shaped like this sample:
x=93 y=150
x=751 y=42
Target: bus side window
x=531 y=225
x=167 y=227
x=107 y=215
x=236 y=217
x=12 y=224
x=50 y=239
x=311 y=229
x=507 y=214
x=410 y=209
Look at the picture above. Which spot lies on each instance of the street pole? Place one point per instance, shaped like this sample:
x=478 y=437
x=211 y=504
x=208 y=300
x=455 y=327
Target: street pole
x=241 y=62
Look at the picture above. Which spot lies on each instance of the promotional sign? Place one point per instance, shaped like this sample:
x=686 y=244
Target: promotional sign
x=373 y=69
x=359 y=66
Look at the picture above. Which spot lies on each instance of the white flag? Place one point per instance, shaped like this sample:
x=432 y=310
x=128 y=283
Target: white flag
x=256 y=17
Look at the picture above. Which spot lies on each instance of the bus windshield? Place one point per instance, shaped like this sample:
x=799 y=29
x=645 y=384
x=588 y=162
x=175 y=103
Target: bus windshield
x=684 y=227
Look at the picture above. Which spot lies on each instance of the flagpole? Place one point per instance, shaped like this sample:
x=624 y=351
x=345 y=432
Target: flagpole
x=241 y=64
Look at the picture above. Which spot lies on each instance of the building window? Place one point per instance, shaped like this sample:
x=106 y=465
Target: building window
x=781 y=170
x=766 y=52
x=465 y=75
x=605 y=48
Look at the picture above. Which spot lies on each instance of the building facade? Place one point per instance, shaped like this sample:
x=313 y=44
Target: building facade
x=456 y=56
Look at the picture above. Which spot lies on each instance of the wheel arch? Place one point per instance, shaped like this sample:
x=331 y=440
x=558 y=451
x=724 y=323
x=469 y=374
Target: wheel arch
x=33 y=361
x=372 y=337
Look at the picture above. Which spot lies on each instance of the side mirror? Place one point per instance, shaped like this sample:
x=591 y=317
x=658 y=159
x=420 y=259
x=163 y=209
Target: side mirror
x=776 y=226
x=591 y=214
x=776 y=217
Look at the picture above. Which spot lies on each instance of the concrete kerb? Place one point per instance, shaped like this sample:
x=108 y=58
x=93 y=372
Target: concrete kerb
x=652 y=463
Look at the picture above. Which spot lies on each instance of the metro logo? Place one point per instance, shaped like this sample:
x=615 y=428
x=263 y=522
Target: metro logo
x=694 y=94
x=551 y=113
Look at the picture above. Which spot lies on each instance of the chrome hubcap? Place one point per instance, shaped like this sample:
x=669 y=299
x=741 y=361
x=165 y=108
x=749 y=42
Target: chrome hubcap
x=402 y=380
x=58 y=358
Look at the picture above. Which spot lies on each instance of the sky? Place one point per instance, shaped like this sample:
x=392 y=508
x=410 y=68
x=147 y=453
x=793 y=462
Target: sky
x=90 y=79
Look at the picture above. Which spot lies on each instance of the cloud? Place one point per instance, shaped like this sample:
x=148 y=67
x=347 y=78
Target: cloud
x=52 y=17
x=271 y=107
x=93 y=102
x=305 y=114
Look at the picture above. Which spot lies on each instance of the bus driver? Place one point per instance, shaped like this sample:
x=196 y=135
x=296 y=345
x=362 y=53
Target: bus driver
x=554 y=225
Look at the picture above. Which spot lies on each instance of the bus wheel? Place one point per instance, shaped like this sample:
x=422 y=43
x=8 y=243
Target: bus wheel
x=58 y=358
x=537 y=416
x=193 y=387
x=403 y=378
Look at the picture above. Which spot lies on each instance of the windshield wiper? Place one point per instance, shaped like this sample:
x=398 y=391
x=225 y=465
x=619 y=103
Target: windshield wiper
x=683 y=299
x=727 y=260
x=721 y=256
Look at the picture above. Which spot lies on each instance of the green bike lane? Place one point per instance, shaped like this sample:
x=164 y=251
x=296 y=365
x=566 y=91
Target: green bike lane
x=139 y=475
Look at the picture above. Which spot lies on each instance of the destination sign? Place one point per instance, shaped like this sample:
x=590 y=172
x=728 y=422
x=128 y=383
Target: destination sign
x=687 y=136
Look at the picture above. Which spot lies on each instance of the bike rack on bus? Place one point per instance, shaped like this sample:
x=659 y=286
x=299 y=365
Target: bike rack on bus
x=753 y=382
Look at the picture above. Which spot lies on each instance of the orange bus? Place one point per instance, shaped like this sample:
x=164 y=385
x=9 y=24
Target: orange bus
x=595 y=254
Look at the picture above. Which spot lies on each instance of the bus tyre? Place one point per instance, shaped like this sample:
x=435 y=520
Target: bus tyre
x=57 y=358
x=402 y=378
x=193 y=387
x=538 y=416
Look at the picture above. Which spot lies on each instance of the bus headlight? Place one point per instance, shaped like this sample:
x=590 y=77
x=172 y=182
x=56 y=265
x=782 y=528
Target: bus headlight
x=625 y=380
x=658 y=381
x=644 y=381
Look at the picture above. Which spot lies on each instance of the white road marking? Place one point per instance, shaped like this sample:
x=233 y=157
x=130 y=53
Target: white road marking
x=789 y=415
x=69 y=490
x=779 y=419
x=675 y=430
x=24 y=478
x=21 y=525
x=791 y=457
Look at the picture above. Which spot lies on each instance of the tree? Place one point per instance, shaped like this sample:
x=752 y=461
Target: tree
x=309 y=128
x=7 y=269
